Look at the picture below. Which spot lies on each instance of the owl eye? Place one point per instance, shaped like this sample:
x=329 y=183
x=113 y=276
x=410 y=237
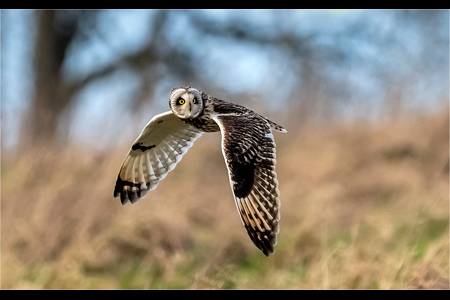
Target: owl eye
x=181 y=101
x=194 y=101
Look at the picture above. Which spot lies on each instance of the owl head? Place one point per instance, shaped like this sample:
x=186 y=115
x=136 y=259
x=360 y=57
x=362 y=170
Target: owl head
x=186 y=102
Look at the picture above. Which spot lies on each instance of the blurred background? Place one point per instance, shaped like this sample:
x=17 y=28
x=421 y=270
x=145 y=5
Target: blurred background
x=363 y=169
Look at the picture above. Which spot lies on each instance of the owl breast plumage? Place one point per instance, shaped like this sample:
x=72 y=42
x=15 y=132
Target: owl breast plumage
x=248 y=147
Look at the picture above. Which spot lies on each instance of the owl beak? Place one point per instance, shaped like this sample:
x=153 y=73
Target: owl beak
x=189 y=96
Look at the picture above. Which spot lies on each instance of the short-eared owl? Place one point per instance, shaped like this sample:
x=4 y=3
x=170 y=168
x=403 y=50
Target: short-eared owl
x=248 y=147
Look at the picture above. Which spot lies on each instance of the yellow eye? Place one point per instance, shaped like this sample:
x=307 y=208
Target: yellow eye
x=181 y=101
x=194 y=101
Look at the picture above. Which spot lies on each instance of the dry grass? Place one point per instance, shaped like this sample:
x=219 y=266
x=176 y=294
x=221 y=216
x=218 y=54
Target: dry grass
x=363 y=207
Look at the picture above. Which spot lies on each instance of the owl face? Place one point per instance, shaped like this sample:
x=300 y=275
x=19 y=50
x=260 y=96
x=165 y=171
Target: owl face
x=186 y=102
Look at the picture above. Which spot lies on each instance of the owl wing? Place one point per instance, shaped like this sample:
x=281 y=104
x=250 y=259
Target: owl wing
x=157 y=150
x=248 y=147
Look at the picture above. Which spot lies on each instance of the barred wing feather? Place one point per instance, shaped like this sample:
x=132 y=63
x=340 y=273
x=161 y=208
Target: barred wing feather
x=156 y=152
x=248 y=148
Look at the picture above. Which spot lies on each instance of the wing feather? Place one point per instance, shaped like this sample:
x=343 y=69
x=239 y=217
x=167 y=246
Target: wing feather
x=156 y=152
x=248 y=148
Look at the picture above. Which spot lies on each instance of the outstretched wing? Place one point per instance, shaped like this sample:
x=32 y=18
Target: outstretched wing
x=248 y=147
x=157 y=150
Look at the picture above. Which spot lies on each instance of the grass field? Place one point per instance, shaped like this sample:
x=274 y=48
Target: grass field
x=363 y=207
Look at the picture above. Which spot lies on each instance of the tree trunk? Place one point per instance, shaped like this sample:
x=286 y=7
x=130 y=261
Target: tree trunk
x=49 y=99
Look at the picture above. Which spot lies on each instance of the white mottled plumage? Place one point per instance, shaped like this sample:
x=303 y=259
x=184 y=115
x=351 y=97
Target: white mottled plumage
x=164 y=140
x=248 y=147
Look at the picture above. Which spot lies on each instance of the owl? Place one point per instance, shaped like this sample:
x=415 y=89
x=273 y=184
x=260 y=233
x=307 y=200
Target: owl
x=248 y=148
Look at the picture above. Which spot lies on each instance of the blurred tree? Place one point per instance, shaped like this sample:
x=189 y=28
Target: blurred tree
x=298 y=52
x=60 y=30
x=49 y=97
x=390 y=56
x=56 y=30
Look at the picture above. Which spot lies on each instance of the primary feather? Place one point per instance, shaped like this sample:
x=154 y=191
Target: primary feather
x=156 y=152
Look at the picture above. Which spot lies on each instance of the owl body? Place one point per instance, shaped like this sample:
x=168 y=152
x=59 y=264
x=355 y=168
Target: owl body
x=248 y=148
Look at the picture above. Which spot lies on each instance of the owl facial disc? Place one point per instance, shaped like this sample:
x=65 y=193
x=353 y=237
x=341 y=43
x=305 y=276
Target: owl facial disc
x=186 y=102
